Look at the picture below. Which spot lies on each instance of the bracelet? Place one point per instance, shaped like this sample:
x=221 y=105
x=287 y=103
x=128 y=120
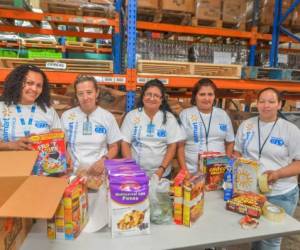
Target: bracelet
x=163 y=168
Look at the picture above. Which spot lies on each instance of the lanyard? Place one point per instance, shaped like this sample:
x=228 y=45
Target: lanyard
x=261 y=147
x=208 y=129
x=26 y=128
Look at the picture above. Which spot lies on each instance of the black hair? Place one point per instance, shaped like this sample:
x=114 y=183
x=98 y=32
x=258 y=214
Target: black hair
x=164 y=107
x=204 y=82
x=14 y=83
x=278 y=94
x=85 y=78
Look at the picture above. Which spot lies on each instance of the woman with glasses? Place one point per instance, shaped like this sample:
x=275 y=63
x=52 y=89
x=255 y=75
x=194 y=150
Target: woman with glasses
x=274 y=143
x=151 y=131
x=207 y=128
x=25 y=108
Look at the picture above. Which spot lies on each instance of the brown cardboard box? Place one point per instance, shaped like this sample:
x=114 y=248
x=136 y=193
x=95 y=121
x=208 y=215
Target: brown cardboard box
x=208 y=9
x=148 y=4
x=267 y=7
x=234 y=11
x=23 y=196
x=178 y=5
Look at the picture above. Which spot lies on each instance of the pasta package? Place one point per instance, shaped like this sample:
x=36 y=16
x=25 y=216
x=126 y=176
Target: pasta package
x=193 y=199
x=129 y=204
x=213 y=165
x=246 y=176
x=52 y=153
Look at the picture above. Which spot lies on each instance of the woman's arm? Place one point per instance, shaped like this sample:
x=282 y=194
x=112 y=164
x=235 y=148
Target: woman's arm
x=229 y=148
x=98 y=167
x=169 y=156
x=292 y=169
x=21 y=144
x=181 y=155
x=126 y=150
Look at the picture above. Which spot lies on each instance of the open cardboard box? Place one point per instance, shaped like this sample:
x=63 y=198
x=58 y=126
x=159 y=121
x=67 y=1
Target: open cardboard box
x=24 y=196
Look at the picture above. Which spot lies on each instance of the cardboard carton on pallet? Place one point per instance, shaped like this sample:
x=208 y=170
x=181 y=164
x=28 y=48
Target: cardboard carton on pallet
x=146 y=4
x=187 y=6
x=208 y=10
x=233 y=11
x=23 y=197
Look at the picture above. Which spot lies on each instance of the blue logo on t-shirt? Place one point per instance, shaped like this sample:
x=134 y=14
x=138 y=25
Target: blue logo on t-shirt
x=161 y=133
x=223 y=127
x=277 y=141
x=99 y=129
x=41 y=124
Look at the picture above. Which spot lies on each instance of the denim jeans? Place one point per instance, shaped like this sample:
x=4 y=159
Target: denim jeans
x=288 y=202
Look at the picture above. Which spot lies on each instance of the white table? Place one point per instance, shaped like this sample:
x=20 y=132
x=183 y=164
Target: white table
x=216 y=227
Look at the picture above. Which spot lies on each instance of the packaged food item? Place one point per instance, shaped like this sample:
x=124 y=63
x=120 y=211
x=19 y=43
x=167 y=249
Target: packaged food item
x=129 y=205
x=193 y=198
x=273 y=213
x=72 y=213
x=93 y=182
x=213 y=165
x=247 y=203
x=52 y=153
x=248 y=222
x=178 y=196
x=228 y=181
x=246 y=174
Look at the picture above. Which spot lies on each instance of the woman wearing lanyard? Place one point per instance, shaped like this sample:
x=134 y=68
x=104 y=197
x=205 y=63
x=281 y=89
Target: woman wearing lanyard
x=92 y=135
x=25 y=108
x=151 y=131
x=207 y=128
x=273 y=142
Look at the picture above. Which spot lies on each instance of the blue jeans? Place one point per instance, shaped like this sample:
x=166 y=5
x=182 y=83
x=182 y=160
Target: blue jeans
x=288 y=202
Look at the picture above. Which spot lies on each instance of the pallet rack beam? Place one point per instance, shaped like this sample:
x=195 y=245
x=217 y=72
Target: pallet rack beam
x=57 y=18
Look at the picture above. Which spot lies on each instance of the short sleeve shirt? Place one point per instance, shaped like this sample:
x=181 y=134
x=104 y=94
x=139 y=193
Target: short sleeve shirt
x=11 y=127
x=149 y=139
x=280 y=149
x=220 y=131
x=85 y=149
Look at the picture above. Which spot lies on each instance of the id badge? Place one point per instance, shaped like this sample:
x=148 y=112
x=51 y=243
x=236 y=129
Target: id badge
x=87 y=128
x=150 y=130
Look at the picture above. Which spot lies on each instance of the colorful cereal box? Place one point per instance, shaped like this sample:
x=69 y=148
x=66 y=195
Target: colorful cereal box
x=52 y=153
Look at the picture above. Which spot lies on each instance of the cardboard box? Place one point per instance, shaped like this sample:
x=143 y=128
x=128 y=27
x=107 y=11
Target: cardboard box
x=208 y=9
x=24 y=196
x=187 y=6
x=234 y=11
x=147 y=4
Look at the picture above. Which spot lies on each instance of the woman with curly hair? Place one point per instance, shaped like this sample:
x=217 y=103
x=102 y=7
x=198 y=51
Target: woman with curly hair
x=151 y=131
x=25 y=108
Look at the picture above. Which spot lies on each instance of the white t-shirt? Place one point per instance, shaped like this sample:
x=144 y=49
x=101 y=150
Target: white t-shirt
x=220 y=131
x=86 y=149
x=280 y=149
x=149 y=140
x=11 y=128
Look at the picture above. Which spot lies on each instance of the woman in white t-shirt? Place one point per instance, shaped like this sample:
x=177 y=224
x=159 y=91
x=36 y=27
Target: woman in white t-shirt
x=92 y=135
x=274 y=143
x=91 y=132
x=151 y=131
x=207 y=128
x=25 y=108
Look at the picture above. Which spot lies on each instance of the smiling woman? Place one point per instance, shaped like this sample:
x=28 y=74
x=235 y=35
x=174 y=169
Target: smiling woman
x=25 y=108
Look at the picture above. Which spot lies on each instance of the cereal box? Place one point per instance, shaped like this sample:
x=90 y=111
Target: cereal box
x=193 y=199
x=52 y=153
x=129 y=205
x=245 y=174
x=72 y=214
x=178 y=197
x=213 y=165
x=247 y=203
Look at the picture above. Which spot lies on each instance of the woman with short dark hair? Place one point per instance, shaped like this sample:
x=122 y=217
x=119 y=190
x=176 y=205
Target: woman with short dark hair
x=25 y=108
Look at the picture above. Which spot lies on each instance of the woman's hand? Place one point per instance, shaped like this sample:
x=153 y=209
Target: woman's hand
x=22 y=144
x=273 y=176
x=97 y=168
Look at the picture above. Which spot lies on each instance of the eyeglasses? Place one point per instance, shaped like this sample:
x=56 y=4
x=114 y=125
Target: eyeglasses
x=152 y=96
